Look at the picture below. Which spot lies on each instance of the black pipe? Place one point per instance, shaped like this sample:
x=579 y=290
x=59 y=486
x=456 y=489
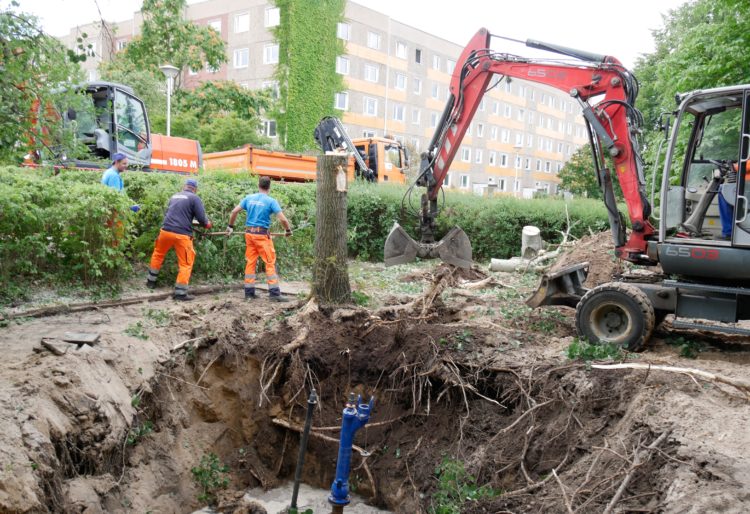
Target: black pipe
x=311 y=402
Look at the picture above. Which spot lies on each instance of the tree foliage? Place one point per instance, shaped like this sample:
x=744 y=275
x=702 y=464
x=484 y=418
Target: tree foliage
x=33 y=69
x=168 y=38
x=703 y=44
x=307 y=76
x=579 y=175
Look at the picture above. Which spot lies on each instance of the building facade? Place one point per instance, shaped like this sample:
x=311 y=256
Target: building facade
x=397 y=80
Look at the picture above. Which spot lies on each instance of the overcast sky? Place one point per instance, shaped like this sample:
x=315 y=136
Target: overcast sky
x=620 y=29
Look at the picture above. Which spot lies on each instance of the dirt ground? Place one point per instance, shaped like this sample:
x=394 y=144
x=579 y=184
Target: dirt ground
x=460 y=369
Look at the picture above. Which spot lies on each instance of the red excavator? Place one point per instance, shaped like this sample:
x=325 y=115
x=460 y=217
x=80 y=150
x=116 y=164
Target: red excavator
x=705 y=270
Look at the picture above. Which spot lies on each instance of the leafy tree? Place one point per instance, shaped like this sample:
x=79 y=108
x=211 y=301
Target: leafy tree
x=307 y=76
x=167 y=37
x=579 y=175
x=222 y=97
x=33 y=68
x=148 y=86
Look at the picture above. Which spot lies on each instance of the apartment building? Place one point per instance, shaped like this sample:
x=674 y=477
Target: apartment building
x=397 y=79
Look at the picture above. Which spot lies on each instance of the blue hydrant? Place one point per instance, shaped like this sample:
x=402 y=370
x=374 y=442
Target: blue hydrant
x=355 y=416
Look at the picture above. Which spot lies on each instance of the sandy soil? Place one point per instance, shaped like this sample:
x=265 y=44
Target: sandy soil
x=468 y=374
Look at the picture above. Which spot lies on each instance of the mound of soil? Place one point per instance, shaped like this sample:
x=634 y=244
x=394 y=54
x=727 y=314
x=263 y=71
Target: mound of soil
x=598 y=251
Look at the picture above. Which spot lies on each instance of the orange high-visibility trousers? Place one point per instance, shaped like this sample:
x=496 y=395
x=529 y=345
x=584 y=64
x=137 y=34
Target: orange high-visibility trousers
x=183 y=247
x=260 y=245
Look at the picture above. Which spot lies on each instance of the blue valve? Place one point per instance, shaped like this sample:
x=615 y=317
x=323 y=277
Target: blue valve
x=355 y=416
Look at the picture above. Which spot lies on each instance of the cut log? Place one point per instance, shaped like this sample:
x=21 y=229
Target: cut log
x=531 y=241
x=508 y=265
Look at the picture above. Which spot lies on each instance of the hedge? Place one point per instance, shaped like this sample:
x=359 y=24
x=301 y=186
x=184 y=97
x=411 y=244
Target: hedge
x=57 y=229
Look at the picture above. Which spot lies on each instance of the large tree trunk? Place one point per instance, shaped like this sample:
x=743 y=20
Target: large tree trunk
x=330 y=273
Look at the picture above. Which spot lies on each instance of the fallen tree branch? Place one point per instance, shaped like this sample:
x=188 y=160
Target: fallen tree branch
x=636 y=463
x=743 y=387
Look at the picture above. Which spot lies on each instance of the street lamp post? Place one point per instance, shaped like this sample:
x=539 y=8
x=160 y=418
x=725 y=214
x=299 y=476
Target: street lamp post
x=170 y=72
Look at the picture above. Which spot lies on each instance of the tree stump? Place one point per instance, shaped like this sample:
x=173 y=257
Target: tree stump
x=330 y=272
x=531 y=242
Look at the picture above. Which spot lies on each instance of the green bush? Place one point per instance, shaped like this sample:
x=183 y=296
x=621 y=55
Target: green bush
x=54 y=228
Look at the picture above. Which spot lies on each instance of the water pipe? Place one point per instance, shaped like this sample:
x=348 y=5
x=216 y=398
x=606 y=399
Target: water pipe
x=311 y=402
x=355 y=416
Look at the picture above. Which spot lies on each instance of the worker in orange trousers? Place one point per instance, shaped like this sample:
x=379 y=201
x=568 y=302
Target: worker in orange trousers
x=258 y=243
x=177 y=232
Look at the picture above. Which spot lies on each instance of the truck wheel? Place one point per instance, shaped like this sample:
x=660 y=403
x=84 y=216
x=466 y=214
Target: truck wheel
x=616 y=313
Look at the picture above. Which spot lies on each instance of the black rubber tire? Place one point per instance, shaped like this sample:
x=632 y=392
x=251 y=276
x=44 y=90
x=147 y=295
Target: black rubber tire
x=659 y=315
x=616 y=313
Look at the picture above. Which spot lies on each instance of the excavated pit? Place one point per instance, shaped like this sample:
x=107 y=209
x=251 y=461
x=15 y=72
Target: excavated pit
x=463 y=382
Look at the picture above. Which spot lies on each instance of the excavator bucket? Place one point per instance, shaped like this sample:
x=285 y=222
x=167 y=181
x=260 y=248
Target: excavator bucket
x=454 y=248
x=564 y=287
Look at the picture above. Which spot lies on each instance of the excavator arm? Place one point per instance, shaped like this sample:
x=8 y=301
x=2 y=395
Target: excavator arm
x=613 y=124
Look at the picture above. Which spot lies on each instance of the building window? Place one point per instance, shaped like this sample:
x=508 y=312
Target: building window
x=478 y=156
x=559 y=147
x=368 y=133
x=270 y=54
x=505 y=136
x=507 y=111
x=401 y=50
x=540 y=121
x=273 y=16
x=529 y=140
x=121 y=44
x=480 y=129
x=531 y=117
x=212 y=69
x=216 y=25
x=269 y=128
x=373 y=40
x=342 y=65
x=342 y=31
x=517 y=162
x=398 y=112
x=245 y=85
x=273 y=86
x=418 y=56
x=415 y=143
x=92 y=75
x=547 y=167
x=447 y=180
x=527 y=163
x=241 y=22
x=450 y=65
x=501 y=184
x=433 y=120
x=436 y=62
x=493 y=133
x=522 y=91
x=435 y=91
x=470 y=129
x=516 y=185
x=371 y=72
x=508 y=87
x=519 y=139
x=464 y=181
x=493 y=159
x=520 y=114
x=481 y=105
x=532 y=94
x=465 y=154
x=241 y=58
x=558 y=167
x=504 y=160
x=417 y=86
x=416 y=114
x=496 y=108
x=401 y=81
x=342 y=101
x=538 y=165
x=370 y=106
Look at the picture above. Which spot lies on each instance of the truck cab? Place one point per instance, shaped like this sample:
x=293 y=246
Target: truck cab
x=386 y=157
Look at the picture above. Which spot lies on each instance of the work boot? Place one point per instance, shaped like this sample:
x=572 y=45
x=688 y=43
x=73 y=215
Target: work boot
x=183 y=297
x=278 y=298
x=250 y=294
x=150 y=284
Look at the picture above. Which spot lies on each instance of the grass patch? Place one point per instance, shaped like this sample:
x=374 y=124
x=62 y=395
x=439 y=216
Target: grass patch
x=456 y=487
x=587 y=352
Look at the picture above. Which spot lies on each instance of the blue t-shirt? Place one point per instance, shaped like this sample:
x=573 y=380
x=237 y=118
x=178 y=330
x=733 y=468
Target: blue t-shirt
x=112 y=179
x=259 y=208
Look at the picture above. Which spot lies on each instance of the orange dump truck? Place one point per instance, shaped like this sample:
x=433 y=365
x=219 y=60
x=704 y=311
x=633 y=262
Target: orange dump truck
x=384 y=156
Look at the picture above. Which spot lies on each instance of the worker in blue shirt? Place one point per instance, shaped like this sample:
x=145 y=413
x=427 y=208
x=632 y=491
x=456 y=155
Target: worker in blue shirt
x=258 y=243
x=111 y=177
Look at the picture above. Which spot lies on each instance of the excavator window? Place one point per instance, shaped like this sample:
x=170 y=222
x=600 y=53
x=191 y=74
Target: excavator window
x=130 y=117
x=393 y=155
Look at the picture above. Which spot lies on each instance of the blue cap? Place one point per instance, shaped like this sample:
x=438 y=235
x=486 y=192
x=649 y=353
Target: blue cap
x=191 y=182
x=118 y=157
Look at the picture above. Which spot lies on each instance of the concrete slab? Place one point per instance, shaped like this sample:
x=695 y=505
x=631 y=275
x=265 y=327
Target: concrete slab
x=276 y=501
